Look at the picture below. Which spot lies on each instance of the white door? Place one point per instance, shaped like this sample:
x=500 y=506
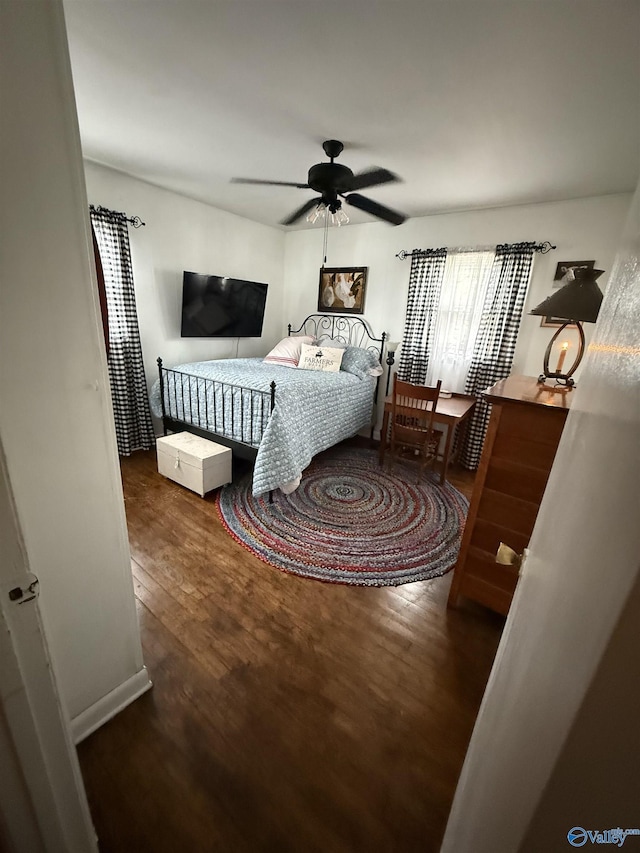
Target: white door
x=43 y=807
x=580 y=577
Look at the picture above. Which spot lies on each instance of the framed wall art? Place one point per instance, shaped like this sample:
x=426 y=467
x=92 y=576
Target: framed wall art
x=342 y=290
x=565 y=272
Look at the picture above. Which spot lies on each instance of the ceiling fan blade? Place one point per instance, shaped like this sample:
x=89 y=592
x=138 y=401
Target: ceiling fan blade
x=300 y=212
x=375 y=209
x=269 y=183
x=372 y=178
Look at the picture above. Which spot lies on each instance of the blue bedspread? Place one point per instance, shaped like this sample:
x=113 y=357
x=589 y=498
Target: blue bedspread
x=313 y=411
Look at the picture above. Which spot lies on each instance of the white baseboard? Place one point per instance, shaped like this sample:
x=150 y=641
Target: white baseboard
x=104 y=709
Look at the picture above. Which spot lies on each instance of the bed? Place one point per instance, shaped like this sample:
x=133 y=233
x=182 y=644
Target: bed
x=280 y=417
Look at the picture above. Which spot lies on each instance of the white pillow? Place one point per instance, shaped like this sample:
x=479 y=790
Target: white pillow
x=326 y=359
x=287 y=352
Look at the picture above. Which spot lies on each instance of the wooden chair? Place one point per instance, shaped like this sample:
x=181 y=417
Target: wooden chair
x=412 y=433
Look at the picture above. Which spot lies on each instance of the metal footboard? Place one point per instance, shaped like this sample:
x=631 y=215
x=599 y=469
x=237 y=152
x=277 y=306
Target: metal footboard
x=231 y=414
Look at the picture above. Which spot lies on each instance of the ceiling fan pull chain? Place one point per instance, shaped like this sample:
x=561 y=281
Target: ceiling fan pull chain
x=325 y=240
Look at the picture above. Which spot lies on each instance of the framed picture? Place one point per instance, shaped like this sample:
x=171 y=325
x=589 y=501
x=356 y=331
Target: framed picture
x=564 y=271
x=555 y=322
x=342 y=290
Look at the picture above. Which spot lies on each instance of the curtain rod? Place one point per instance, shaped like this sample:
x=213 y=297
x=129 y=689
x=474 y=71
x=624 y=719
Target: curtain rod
x=543 y=248
x=134 y=220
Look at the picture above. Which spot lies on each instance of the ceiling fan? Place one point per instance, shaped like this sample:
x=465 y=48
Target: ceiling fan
x=335 y=183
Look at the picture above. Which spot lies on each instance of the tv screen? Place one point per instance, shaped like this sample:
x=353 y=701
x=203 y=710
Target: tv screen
x=214 y=306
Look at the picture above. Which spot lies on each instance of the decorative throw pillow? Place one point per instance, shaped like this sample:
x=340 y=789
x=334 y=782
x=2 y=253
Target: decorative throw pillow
x=287 y=352
x=326 y=359
x=360 y=362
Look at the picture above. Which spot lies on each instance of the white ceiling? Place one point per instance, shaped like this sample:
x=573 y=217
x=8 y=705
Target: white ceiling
x=474 y=103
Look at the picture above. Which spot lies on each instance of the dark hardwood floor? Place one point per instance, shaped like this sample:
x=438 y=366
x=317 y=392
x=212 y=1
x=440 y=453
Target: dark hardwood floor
x=286 y=714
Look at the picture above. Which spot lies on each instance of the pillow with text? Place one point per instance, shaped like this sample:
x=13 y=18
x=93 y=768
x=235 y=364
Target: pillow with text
x=327 y=359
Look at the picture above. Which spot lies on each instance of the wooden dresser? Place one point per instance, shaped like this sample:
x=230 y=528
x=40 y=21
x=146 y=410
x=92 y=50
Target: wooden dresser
x=522 y=438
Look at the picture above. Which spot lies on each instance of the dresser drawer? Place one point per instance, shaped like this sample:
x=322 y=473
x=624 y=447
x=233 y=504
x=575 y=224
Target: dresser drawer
x=507 y=511
x=537 y=454
x=487 y=536
x=516 y=479
x=488 y=582
x=532 y=423
x=527 y=436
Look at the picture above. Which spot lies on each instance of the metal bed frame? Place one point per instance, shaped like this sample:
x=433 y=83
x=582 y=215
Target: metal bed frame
x=176 y=385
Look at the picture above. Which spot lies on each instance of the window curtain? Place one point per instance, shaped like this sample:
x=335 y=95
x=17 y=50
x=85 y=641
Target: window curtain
x=425 y=283
x=496 y=339
x=102 y=293
x=134 y=428
x=464 y=287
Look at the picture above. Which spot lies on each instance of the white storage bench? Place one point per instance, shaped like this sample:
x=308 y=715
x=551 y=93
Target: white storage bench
x=197 y=463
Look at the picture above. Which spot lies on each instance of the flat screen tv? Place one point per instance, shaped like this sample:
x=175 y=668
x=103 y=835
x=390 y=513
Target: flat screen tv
x=215 y=306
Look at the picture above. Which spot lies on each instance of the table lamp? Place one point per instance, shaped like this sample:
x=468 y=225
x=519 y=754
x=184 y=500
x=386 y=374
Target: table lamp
x=576 y=303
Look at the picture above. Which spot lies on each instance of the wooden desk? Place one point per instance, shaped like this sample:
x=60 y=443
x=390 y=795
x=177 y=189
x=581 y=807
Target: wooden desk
x=449 y=410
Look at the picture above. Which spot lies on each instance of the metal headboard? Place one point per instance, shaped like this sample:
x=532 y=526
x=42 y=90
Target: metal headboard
x=351 y=331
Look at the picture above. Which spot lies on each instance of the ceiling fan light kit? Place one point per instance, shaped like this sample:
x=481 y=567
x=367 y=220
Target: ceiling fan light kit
x=335 y=183
x=336 y=215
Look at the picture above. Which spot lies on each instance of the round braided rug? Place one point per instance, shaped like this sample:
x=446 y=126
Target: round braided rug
x=351 y=521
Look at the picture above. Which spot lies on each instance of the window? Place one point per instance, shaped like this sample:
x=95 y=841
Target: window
x=462 y=295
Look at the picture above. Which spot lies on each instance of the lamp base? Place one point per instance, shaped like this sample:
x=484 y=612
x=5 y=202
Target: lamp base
x=563 y=383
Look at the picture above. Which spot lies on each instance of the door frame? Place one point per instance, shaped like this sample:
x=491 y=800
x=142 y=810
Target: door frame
x=43 y=804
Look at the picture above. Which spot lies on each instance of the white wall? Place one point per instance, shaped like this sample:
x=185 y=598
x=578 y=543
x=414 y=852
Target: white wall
x=604 y=738
x=583 y=229
x=55 y=420
x=573 y=621
x=183 y=234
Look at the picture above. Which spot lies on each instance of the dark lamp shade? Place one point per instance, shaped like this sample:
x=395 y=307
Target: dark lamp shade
x=579 y=300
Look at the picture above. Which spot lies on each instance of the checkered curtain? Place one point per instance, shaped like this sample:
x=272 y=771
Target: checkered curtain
x=425 y=281
x=134 y=428
x=496 y=340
